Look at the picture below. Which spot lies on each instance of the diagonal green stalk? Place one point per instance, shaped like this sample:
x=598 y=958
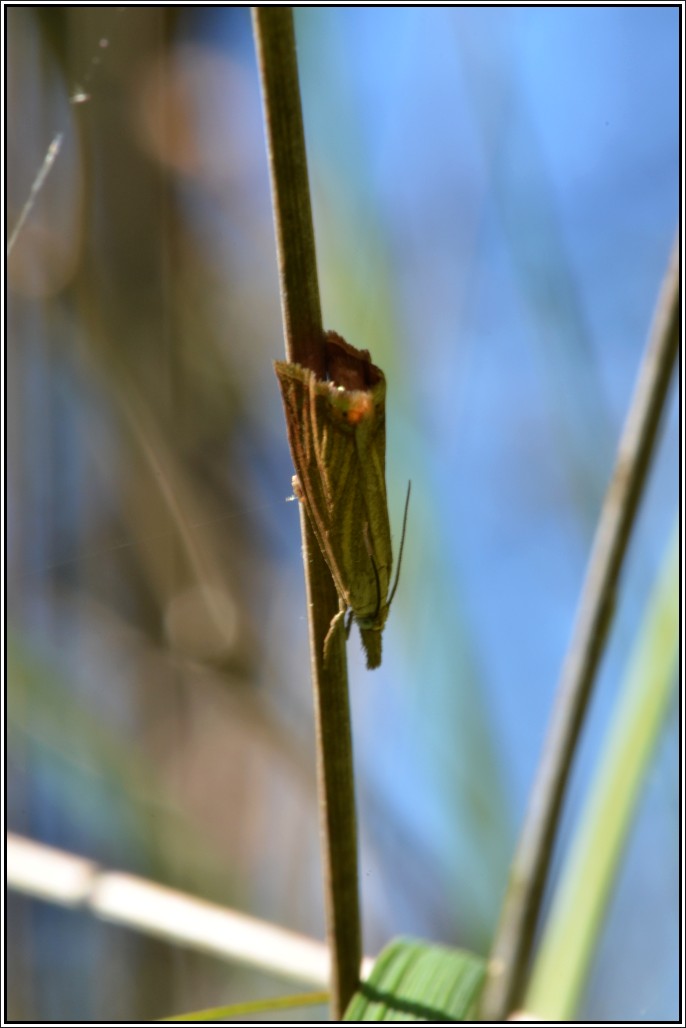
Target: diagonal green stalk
x=511 y=950
x=301 y=310
x=585 y=886
x=258 y=1006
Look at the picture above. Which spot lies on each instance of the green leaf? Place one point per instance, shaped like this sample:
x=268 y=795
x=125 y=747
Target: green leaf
x=258 y=1006
x=419 y=981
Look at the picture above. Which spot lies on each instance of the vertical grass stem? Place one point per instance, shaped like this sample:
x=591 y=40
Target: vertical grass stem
x=510 y=956
x=301 y=310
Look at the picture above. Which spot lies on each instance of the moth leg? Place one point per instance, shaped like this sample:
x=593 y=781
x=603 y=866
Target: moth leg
x=337 y=622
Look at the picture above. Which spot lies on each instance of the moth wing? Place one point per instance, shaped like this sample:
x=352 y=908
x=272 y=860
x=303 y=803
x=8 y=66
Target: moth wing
x=371 y=641
x=309 y=453
x=371 y=446
x=336 y=473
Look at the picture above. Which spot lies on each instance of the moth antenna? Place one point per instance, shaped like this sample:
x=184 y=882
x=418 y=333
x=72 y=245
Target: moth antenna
x=370 y=554
x=402 y=543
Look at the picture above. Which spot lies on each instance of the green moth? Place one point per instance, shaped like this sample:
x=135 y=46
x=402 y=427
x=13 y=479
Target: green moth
x=337 y=434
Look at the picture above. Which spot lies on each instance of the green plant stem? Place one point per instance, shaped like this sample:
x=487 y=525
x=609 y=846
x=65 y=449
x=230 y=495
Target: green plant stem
x=511 y=951
x=583 y=893
x=300 y=303
x=258 y=1006
x=275 y=42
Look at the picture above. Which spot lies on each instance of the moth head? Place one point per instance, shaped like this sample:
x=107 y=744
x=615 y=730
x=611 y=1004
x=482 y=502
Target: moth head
x=351 y=407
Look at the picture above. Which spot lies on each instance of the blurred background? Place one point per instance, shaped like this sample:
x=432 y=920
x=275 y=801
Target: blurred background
x=495 y=196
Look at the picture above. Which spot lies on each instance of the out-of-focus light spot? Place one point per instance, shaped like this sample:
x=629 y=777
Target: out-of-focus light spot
x=202 y=622
x=194 y=113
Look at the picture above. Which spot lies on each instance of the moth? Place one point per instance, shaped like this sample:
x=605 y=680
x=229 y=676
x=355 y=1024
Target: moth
x=337 y=435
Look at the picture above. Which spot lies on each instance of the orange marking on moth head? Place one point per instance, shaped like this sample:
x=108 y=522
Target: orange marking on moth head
x=360 y=407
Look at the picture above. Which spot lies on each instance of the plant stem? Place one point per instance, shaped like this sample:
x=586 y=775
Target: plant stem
x=258 y=1006
x=586 y=881
x=300 y=304
x=511 y=951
